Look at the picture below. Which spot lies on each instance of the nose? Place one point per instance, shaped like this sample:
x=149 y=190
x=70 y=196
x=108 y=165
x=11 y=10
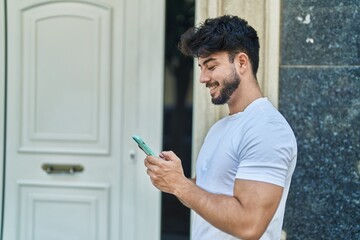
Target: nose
x=204 y=77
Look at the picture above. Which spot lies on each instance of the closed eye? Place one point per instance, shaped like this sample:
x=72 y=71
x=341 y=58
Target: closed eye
x=212 y=68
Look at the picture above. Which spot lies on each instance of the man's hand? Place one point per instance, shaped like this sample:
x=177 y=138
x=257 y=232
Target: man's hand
x=166 y=173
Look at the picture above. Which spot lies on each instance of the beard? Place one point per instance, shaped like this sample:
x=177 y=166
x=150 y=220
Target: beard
x=231 y=83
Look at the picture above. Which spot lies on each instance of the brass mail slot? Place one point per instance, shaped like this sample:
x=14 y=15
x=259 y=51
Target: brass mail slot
x=62 y=168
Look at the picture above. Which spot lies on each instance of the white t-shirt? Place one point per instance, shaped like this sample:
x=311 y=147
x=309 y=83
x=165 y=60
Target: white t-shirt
x=256 y=144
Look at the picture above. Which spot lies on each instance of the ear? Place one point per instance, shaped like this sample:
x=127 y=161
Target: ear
x=243 y=62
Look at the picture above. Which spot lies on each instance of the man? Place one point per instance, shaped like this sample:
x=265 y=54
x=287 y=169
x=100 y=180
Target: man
x=245 y=165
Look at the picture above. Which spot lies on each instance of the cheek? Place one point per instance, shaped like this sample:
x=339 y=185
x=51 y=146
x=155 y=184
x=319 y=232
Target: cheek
x=217 y=76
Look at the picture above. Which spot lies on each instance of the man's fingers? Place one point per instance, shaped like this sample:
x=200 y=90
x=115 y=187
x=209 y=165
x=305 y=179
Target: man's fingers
x=169 y=155
x=152 y=160
x=153 y=163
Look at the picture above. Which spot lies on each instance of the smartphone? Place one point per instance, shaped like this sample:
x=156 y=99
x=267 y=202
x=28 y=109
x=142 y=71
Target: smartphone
x=142 y=145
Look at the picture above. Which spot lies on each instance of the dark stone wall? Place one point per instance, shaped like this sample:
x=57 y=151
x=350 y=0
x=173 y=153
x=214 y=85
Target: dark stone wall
x=320 y=97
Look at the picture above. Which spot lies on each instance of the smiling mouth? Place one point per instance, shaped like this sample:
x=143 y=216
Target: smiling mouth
x=212 y=86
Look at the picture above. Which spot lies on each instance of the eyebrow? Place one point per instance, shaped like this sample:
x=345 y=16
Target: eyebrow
x=207 y=61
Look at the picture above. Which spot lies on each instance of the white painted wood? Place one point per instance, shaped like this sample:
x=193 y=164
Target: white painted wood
x=150 y=123
x=142 y=99
x=83 y=77
x=44 y=206
x=68 y=69
x=2 y=99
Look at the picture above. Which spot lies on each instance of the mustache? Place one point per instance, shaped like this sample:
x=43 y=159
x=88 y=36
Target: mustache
x=212 y=84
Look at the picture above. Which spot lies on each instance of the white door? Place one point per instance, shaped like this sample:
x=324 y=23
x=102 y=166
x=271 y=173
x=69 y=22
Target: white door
x=83 y=76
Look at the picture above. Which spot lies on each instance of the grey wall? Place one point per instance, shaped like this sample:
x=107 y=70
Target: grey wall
x=320 y=97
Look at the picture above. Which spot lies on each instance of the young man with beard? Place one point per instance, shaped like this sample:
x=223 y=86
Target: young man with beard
x=245 y=165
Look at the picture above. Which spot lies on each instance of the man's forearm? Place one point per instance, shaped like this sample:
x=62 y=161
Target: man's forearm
x=245 y=215
x=193 y=180
x=223 y=212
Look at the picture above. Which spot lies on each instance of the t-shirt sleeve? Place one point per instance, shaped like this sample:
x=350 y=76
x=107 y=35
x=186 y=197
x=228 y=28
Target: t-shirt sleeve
x=265 y=154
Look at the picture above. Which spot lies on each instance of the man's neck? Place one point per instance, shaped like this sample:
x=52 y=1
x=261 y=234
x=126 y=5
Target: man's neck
x=244 y=96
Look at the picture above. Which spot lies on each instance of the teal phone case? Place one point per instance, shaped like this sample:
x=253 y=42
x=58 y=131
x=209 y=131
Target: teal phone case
x=142 y=145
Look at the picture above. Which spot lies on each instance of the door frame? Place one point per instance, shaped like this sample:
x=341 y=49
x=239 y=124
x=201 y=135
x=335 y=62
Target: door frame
x=2 y=104
x=146 y=121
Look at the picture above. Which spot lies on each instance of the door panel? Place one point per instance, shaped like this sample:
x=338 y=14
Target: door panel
x=78 y=87
x=63 y=211
x=66 y=58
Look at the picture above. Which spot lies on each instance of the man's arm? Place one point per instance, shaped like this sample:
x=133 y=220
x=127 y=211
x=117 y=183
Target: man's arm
x=193 y=180
x=245 y=215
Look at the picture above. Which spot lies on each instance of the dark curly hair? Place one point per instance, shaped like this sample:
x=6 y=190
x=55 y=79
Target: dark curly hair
x=225 y=33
